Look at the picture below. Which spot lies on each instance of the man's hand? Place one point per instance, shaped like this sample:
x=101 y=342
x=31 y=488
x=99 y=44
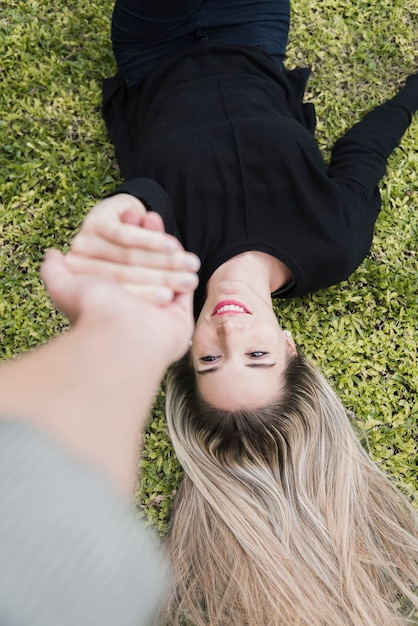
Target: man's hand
x=163 y=332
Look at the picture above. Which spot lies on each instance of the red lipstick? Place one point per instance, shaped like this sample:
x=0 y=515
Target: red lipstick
x=230 y=307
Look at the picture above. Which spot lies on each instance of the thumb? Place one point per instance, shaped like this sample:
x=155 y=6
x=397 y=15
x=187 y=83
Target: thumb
x=53 y=269
x=59 y=283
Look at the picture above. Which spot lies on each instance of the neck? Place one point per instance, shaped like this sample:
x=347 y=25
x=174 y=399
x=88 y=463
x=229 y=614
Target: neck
x=261 y=271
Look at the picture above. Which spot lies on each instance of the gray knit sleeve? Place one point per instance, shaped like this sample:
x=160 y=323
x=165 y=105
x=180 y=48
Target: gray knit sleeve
x=71 y=552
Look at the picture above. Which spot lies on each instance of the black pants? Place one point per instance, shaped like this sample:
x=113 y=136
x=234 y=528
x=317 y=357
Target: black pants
x=145 y=31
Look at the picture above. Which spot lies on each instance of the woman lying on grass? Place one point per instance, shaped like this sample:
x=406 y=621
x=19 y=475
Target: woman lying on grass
x=281 y=518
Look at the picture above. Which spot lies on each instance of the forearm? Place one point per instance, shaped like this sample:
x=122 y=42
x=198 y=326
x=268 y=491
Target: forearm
x=361 y=154
x=90 y=388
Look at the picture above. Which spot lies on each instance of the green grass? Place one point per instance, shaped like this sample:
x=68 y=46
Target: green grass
x=56 y=162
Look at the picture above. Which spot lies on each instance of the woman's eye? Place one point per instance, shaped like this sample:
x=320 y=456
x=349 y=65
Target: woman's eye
x=208 y=359
x=257 y=354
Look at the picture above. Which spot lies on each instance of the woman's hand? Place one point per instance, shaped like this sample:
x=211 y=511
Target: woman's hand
x=120 y=241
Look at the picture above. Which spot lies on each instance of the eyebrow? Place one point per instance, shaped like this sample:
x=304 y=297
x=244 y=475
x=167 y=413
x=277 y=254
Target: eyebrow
x=215 y=369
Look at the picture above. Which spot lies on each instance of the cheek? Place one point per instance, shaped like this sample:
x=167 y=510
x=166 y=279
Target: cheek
x=278 y=344
x=276 y=336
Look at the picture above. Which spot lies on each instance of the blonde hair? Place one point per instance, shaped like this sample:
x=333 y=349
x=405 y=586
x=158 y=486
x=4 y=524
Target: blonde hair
x=282 y=518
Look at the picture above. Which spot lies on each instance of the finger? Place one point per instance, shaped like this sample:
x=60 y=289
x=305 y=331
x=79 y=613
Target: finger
x=154 y=221
x=130 y=216
x=100 y=249
x=118 y=204
x=127 y=235
x=151 y=220
x=54 y=270
x=161 y=296
x=181 y=281
x=59 y=283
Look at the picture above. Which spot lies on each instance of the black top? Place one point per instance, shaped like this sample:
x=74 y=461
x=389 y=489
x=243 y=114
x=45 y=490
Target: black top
x=225 y=133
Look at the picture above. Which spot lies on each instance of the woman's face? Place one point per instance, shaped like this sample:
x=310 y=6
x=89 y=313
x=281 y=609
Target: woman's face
x=239 y=349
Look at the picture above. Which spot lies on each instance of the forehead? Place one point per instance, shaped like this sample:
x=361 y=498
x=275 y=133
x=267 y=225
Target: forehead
x=237 y=386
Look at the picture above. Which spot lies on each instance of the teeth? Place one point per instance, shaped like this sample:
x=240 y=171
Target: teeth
x=230 y=307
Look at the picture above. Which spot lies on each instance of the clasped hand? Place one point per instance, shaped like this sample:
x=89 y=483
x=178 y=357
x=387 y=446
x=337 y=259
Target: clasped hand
x=121 y=241
x=123 y=268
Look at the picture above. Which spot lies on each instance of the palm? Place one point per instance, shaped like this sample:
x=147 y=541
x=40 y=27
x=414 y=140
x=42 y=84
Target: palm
x=168 y=328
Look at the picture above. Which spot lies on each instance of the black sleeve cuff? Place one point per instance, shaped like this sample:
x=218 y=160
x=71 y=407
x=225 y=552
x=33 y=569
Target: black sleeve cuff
x=154 y=197
x=408 y=95
x=286 y=291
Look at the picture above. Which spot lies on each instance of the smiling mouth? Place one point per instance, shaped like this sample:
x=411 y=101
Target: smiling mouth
x=228 y=307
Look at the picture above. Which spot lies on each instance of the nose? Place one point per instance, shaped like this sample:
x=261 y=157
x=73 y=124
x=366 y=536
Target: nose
x=229 y=327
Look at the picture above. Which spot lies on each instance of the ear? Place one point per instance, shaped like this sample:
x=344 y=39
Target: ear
x=290 y=344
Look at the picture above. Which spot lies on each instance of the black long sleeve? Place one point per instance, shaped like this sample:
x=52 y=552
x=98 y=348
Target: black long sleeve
x=226 y=134
x=361 y=155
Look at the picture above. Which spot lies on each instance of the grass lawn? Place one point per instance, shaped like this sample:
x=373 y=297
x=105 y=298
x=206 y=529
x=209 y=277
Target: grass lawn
x=56 y=161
